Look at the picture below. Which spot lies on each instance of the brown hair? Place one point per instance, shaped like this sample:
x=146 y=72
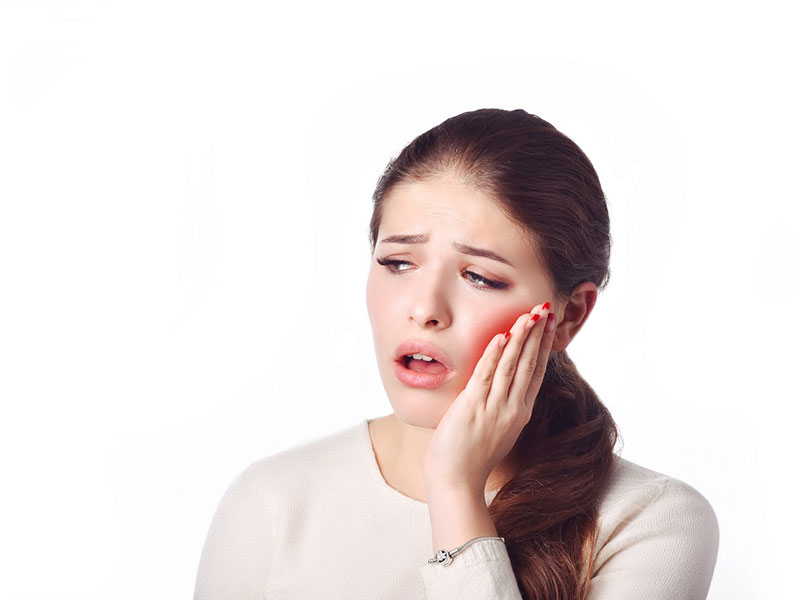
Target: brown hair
x=548 y=511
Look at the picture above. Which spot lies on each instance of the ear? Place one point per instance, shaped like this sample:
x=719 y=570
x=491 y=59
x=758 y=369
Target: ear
x=571 y=316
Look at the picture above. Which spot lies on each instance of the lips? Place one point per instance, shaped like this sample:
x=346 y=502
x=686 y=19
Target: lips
x=425 y=379
x=423 y=347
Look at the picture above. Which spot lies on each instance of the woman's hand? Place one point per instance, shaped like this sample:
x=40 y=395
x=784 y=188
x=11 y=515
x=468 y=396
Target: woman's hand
x=484 y=421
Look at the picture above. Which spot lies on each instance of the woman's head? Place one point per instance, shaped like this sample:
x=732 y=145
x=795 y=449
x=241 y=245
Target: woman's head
x=503 y=181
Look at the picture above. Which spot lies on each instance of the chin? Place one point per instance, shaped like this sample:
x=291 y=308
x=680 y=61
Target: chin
x=419 y=411
x=418 y=407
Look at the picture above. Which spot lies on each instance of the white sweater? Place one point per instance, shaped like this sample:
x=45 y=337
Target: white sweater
x=319 y=521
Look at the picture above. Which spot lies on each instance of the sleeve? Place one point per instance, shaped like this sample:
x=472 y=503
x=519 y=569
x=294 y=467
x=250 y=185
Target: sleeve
x=481 y=571
x=237 y=550
x=663 y=547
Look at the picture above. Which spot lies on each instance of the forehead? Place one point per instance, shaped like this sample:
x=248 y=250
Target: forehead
x=449 y=210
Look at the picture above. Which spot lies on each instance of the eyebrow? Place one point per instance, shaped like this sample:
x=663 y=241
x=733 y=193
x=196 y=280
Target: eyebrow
x=462 y=248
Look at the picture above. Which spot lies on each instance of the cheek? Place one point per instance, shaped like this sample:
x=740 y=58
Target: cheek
x=381 y=307
x=375 y=297
x=483 y=329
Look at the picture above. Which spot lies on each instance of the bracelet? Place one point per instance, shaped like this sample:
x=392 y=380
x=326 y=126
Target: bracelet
x=444 y=557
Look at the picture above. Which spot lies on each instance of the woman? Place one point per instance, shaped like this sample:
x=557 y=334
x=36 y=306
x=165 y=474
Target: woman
x=490 y=239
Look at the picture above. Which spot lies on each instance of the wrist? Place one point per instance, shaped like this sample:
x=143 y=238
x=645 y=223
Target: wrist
x=445 y=557
x=457 y=516
x=456 y=492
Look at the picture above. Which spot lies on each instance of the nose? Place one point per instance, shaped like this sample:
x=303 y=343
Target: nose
x=429 y=305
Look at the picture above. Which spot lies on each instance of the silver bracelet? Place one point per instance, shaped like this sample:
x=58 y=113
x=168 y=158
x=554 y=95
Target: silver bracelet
x=445 y=558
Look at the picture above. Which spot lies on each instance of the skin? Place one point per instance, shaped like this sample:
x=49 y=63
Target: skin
x=450 y=445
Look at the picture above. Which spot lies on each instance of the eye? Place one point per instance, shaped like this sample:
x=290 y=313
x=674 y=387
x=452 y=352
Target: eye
x=482 y=281
x=487 y=282
x=392 y=263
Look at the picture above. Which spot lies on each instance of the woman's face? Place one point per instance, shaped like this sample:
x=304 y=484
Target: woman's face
x=443 y=295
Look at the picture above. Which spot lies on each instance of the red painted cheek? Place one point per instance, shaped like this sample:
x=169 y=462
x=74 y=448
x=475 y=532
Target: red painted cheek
x=501 y=324
x=485 y=334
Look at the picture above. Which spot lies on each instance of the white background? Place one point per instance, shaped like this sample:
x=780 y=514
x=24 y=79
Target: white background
x=185 y=189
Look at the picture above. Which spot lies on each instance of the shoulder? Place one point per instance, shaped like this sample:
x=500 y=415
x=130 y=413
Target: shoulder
x=296 y=470
x=268 y=498
x=655 y=529
x=634 y=489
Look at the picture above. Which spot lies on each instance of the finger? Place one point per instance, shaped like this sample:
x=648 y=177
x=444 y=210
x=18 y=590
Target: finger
x=480 y=382
x=509 y=361
x=544 y=348
x=533 y=384
x=528 y=359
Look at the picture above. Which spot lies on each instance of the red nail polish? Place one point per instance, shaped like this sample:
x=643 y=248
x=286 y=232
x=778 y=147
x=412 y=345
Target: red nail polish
x=551 y=317
x=535 y=317
x=545 y=306
x=507 y=335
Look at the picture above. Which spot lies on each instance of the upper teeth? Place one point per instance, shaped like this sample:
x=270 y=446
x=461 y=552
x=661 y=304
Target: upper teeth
x=419 y=356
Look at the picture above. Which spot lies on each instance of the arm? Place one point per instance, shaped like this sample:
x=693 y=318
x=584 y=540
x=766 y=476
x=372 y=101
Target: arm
x=482 y=571
x=236 y=551
x=475 y=434
x=660 y=543
x=661 y=547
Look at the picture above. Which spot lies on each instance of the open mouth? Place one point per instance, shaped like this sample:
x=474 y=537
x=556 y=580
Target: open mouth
x=422 y=365
x=419 y=373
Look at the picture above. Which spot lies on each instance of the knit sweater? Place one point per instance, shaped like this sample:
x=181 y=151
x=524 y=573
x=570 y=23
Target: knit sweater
x=319 y=521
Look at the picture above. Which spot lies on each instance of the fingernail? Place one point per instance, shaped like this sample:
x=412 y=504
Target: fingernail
x=551 y=321
x=504 y=339
x=545 y=306
x=535 y=317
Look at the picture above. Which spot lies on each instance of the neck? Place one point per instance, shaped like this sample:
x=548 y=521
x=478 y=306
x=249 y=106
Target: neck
x=402 y=456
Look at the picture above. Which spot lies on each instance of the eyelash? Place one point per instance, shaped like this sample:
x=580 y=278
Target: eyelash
x=487 y=283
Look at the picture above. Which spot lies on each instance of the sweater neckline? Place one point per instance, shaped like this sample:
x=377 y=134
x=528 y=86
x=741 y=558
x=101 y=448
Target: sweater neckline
x=377 y=476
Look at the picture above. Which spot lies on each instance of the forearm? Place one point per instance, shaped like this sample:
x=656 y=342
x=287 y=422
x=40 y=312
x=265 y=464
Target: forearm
x=457 y=517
